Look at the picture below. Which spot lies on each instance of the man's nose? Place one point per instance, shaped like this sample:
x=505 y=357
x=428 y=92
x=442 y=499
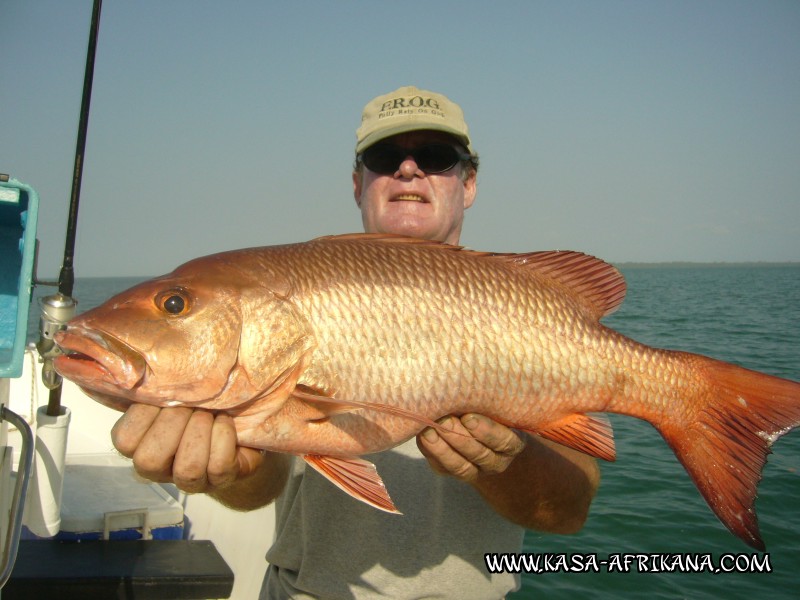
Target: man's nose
x=409 y=169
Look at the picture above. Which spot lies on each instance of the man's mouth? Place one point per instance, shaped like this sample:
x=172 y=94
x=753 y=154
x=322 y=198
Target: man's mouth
x=408 y=198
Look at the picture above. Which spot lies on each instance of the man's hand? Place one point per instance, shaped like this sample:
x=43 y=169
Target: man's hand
x=533 y=482
x=194 y=449
x=477 y=446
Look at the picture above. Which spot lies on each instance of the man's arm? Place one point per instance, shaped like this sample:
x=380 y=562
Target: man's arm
x=535 y=483
x=196 y=450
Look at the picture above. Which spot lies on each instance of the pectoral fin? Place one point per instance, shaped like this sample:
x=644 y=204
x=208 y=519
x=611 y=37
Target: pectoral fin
x=328 y=407
x=357 y=477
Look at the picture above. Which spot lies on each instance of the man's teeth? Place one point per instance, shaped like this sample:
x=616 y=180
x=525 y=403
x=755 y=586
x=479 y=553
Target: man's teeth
x=409 y=197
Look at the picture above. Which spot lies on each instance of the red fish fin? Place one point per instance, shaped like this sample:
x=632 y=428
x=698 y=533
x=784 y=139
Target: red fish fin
x=597 y=284
x=591 y=435
x=357 y=477
x=329 y=407
x=724 y=446
x=319 y=405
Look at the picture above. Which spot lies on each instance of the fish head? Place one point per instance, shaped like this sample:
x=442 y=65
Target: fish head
x=207 y=335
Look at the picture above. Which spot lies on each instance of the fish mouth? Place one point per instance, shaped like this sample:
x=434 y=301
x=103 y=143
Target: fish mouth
x=98 y=361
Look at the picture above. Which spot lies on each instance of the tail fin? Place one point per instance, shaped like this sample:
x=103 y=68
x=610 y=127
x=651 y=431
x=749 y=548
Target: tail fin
x=724 y=444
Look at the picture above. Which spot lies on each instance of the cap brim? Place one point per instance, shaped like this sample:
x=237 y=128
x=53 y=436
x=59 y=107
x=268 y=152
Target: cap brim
x=382 y=134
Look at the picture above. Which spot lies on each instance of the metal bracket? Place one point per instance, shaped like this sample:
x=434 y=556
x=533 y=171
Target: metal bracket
x=20 y=489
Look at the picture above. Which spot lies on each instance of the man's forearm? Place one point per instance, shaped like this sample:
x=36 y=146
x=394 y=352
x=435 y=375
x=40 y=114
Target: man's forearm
x=547 y=487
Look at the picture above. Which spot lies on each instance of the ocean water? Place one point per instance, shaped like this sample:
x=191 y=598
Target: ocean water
x=647 y=505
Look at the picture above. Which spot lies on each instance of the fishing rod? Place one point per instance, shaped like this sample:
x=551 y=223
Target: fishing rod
x=59 y=308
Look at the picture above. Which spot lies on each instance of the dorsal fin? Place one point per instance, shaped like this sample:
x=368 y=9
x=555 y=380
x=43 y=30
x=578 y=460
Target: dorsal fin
x=599 y=285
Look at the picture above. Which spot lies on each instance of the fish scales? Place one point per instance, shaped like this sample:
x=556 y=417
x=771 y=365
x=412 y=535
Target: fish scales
x=429 y=322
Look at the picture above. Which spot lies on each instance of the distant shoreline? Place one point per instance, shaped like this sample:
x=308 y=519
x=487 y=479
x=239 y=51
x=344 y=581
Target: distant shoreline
x=688 y=264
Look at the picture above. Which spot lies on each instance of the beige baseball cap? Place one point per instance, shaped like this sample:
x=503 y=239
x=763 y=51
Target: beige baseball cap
x=410 y=109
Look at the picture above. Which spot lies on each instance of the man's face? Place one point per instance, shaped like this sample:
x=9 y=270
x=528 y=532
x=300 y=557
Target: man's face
x=412 y=202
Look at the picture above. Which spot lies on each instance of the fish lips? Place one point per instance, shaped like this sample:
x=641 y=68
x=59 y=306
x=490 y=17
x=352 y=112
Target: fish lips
x=98 y=360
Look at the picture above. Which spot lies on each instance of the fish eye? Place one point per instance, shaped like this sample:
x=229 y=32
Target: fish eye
x=173 y=302
x=174 y=305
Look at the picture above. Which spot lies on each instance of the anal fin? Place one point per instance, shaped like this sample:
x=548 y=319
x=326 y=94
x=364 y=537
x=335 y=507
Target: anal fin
x=355 y=476
x=591 y=435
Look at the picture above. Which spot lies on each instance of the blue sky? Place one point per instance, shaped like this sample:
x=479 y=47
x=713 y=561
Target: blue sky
x=632 y=130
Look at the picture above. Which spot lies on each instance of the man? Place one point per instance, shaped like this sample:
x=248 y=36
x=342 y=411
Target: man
x=463 y=494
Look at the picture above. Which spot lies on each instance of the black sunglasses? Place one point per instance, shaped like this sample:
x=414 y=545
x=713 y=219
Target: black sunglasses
x=385 y=159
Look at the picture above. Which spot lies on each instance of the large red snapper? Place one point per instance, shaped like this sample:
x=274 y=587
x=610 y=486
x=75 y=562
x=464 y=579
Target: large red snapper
x=348 y=345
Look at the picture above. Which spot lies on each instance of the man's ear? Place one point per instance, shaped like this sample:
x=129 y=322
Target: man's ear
x=470 y=189
x=358 y=182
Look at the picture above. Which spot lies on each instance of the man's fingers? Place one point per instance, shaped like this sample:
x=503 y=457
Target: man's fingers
x=498 y=438
x=194 y=449
x=248 y=460
x=154 y=457
x=223 y=461
x=189 y=469
x=443 y=456
x=131 y=427
x=476 y=445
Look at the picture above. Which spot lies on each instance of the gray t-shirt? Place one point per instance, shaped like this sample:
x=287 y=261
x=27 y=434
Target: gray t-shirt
x=329 y=545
